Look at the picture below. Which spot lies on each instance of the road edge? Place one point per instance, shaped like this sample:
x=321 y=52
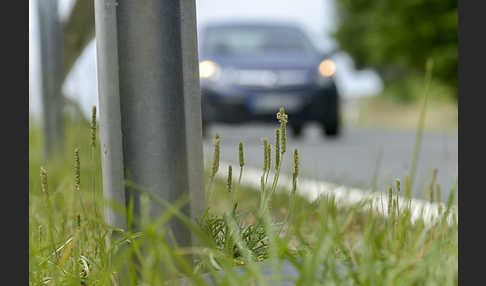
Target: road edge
x=312 y=190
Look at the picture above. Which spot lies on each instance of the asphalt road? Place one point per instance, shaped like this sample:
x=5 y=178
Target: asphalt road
x=351 y=159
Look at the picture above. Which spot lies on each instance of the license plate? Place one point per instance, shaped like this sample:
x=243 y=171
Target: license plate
x=272 y=103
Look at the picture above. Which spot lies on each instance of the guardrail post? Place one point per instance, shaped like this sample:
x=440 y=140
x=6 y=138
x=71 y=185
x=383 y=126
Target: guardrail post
x=51 y=74
x=150 y=109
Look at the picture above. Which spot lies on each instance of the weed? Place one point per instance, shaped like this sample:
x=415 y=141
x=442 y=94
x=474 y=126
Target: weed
x=240 y=235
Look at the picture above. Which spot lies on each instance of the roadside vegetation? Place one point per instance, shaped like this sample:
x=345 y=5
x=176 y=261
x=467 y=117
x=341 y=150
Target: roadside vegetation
x=243 y=232
x=395 y=38
x=390 y=110
x=370 y=112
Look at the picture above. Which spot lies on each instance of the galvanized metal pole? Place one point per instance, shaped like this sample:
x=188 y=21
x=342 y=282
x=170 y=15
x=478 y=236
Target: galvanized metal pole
x=110 y=112
x=51 y=74
x=150 y=109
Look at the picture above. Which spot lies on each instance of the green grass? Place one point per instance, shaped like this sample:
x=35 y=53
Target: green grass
x=442 y=115
x=400 y=105
x=327 y=244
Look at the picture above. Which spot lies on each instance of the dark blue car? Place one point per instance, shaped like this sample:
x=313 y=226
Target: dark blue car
x=249 y=70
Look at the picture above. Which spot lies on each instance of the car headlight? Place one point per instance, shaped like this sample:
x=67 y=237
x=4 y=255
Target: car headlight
x=208 y=69
x=325 y=70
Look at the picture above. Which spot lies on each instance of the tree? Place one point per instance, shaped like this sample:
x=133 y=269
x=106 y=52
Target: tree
x=397 y=37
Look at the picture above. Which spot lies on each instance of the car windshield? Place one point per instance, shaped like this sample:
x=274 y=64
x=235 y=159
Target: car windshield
x=247 y=40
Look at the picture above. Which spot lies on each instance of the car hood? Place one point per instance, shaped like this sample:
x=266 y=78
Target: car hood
x=267 y=61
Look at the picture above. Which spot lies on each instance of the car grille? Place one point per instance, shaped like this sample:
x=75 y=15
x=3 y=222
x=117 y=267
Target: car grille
x=269 y=78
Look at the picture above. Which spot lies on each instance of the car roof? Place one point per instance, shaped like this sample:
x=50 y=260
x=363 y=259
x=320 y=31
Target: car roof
x=249 y=23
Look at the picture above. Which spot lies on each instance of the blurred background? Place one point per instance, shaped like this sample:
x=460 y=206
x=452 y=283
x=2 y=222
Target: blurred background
x=379 y=48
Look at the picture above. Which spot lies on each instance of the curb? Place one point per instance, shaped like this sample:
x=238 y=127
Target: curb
x=345 y=196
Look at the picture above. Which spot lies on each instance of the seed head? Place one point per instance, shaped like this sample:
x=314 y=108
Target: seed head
x=215 y=156
x=93 y=126
x=277 y=148
x=240 y=154
x=398 y=185
x=78 y=221
x=265 y=154
x=282 y=118
x=390 y=198
x=269 y=156
x=230 y=178
x=43 y=175
x=77 y=172
x=434 y=174
x=296 y=162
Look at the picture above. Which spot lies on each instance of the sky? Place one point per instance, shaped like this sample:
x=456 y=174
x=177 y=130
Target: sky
x=316 y=16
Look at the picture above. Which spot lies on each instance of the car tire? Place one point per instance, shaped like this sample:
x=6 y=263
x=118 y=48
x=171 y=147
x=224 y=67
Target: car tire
x=297 y=130
x=332 y=124
x=332 y=128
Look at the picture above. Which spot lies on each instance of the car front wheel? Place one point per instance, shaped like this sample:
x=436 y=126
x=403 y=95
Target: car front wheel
x=332 y=125
x=332 y=129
